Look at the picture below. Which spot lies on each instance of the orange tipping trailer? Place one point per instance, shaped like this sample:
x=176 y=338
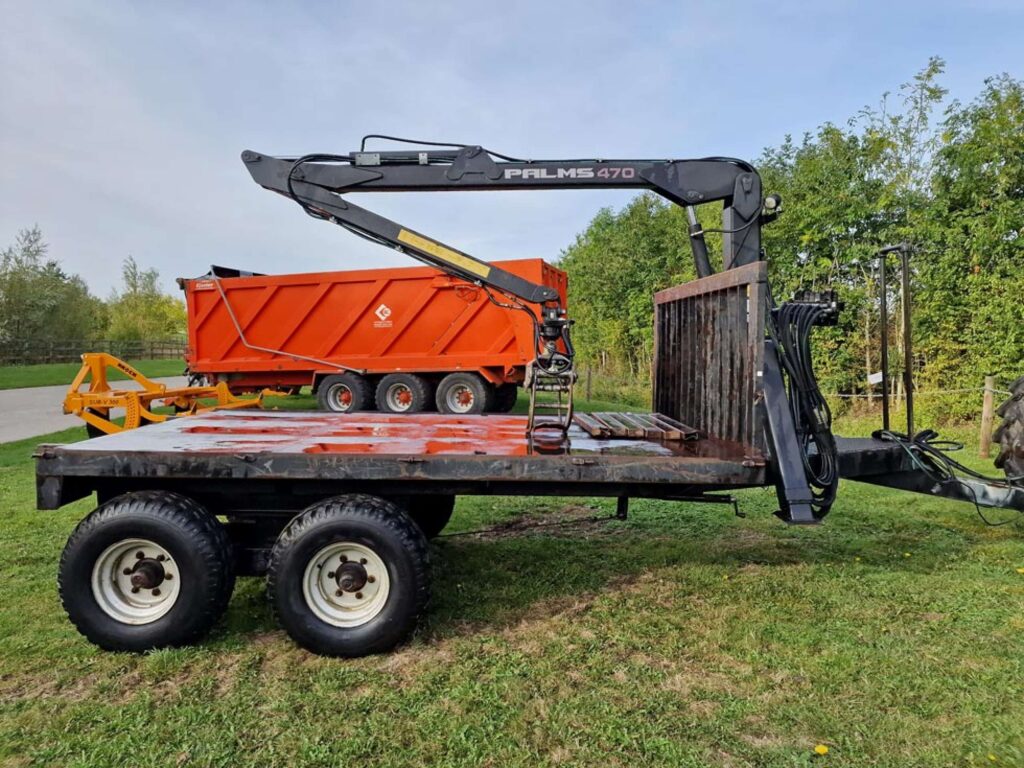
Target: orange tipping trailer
x=406 y=339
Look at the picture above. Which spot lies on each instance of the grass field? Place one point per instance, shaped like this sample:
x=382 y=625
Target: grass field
x=893 y=635
x=17 y=376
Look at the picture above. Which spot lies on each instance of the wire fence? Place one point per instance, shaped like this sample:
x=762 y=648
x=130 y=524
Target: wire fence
x=40 y=351
x=917 y=392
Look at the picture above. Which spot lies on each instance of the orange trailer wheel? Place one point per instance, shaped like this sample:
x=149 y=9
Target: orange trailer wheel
x=404 y=393
x=345 y=393
x=463 y=393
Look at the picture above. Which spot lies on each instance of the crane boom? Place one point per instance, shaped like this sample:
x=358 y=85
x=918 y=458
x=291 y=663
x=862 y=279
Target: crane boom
x=321 y=183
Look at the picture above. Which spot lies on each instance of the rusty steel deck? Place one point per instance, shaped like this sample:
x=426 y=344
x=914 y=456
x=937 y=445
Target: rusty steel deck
x=260 y=459
x=481 y=454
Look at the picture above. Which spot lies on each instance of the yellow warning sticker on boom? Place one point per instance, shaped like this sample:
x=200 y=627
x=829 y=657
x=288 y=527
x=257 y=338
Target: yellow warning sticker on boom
x=444 y=254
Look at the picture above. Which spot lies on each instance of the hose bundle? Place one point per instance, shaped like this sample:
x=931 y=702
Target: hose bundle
x=789 y=326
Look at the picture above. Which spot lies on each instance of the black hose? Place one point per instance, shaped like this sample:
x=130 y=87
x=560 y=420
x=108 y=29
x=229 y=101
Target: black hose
x=790 y=328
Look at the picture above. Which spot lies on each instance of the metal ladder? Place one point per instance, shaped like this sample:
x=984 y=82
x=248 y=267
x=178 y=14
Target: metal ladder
x=560 y=411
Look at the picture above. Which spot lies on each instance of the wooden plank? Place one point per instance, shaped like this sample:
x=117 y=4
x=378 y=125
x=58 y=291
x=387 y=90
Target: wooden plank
x=651 y=430
x=591 y=426
x=635 y=423
x=749 y=273
x=674 y=429
x=650 y=426
x=613 y=425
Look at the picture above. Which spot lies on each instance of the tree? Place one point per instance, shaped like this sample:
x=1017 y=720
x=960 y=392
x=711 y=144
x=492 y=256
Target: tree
x=954 y=189
x=38 y=300
x=971 y=316
x=141 y=311
x=615 y=267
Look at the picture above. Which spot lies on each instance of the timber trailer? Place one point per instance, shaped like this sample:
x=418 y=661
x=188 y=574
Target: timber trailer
x=336 y=510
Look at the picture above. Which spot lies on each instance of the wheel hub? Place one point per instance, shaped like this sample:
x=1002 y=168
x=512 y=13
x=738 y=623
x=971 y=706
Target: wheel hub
x=135 y=581
x=147 y=574
x=399 y=397
x=342 y=396
x=351 y=577
x=346 y=584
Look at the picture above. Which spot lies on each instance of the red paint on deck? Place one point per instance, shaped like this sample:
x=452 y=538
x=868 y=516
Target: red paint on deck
x=400 y=435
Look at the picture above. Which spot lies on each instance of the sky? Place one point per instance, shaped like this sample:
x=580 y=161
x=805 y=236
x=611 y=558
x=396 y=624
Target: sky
x=121 y=123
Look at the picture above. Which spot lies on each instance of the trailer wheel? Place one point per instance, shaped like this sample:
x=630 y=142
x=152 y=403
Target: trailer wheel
x=1010 y=434
x=505 y=398
x=463 y=393
x=91 y=430
x=404 y=393
x=431 y=513
x=349 y=576
x=147 y=569
x=344 y=393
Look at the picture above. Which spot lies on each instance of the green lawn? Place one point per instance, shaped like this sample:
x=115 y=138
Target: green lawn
x=17 y=376
x=893 y=634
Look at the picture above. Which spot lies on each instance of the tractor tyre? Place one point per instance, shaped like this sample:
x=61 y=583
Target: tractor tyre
x=147 y=569
x=431 y=512
x=1010 y=434
x=349 y=576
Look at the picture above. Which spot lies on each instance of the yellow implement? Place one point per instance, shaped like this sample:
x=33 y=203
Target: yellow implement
x=95 y=404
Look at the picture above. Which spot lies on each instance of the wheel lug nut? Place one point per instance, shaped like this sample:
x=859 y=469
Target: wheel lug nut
x=344 y=558
x=156 y=593
x=139 y=555
x=359 y=595
x=362 y=561
x=127 y=571
x=161 y=558
x=168 y=576
x=338 y=593
x=135 y=590
x=370 y=579
x=330 y=574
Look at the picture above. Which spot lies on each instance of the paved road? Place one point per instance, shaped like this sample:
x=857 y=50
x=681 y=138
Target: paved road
x=37 y=410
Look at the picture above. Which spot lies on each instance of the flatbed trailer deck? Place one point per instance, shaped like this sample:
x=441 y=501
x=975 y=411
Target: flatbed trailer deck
x=271 y=462
x=277 y=455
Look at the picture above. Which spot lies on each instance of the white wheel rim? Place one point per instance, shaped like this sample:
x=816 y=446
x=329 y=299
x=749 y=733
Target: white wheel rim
x=460 y=399
x=357 y=603
x=125 y=601
x=334 y=398
x=394 y=395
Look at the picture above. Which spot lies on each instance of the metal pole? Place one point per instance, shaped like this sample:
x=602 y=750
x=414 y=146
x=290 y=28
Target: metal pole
x=885 y=340
x=908 y=354
x=987 y=409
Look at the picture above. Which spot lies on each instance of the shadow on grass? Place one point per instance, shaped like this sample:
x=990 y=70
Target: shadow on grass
x=528 y=569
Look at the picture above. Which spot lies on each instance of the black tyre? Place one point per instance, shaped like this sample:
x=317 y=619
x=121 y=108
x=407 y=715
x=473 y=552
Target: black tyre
x=172 y=595
x=430 y=513
x=349 y=576
x=344 y=393
x=91 y=430
x=404 y=393
x=1010 y=434
x=505 y=398
x=464 y=393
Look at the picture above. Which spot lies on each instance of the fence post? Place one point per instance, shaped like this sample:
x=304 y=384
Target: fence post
x=987 y=407
x=589 y=371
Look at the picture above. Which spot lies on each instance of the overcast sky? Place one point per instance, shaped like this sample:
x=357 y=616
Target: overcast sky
x=121 y=123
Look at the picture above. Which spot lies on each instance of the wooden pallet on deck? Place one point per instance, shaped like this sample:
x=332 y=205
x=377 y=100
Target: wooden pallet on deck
x=651 y=426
